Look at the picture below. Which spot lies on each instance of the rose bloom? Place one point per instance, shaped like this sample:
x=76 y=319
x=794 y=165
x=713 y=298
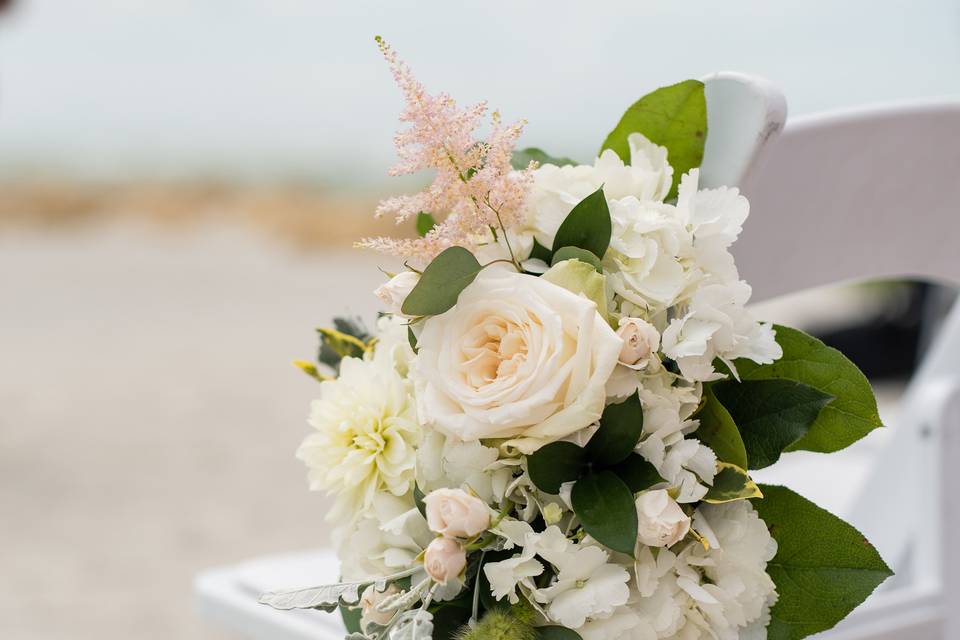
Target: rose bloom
x=393 y=292
x=517 y=357
x=454 y=513
x=662 y=523
x=640 y=342
x=444 y=559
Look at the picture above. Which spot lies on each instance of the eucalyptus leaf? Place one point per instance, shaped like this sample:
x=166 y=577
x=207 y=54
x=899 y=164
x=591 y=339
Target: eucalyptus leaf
x=521 y=159
x=582 y=279
x=674 y=117
x=553 y=464
x=556 y=633
x=425 y=223
x=441 y=283
x=849 y=417
x=770 y=414
x=587 y=226
x=413 y=625
x=824 y=568
x=605 y=507
x=638 y=474
x=731 y=483
x=576 y=253
x=718 y=431
x=621 y=426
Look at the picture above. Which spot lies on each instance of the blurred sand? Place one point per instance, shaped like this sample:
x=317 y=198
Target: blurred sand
x=149 y=418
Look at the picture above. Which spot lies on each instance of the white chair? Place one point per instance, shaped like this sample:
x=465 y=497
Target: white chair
x=837 y=197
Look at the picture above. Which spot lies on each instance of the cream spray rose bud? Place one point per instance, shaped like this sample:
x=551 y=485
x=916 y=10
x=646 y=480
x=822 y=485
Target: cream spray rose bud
x=444 y=560
x=454 y=513
x=662 y=523
x=395 y=291
x=640 y=342
x=369 y=601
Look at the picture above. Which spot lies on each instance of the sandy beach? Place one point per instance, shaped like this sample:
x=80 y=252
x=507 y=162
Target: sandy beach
x=150 y=417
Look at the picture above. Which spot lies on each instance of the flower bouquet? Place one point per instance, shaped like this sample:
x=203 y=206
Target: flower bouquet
x=551 y=433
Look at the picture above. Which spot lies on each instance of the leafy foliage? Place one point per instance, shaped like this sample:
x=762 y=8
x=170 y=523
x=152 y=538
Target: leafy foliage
x=348 y=339
x=606 y=510
x=637 y=473
x=576 y=253
x=771 y=415
x=718 y=431
x=557 y=633
x=581 y=279
x=853 y=412
x=587 y=226
x=621 y=428
x=674 y=117
x=441 y=283
x=425 y=222
x=731 y=483
x=521 y=159
x=555 y=463
x=824 y=568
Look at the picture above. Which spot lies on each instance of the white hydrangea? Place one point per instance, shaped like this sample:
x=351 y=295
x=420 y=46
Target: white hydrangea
x=718 y=592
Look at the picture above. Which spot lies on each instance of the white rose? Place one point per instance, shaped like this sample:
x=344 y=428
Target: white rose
x=368 y=605
x=517 y=357
x=662 y=523
x=454 y=513
x=395 y=291
x=444 y=559
x=640 y=342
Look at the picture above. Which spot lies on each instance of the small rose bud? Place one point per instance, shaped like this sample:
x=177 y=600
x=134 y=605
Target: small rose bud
x=444 y=560
x=393 y=292
x=641 y=340
x=454 y=513
x=662 y=523
x=369 y=601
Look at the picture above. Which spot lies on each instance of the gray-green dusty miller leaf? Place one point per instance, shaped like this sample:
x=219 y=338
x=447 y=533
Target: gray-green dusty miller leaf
x=413 y=625
x=327 y=597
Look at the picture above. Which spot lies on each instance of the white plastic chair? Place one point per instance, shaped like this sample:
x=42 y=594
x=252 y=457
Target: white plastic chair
x=837 y=197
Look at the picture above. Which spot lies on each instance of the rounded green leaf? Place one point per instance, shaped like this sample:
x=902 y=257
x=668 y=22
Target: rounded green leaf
x=521 y=159
x=638 y=474
x=576 y=253
x=853 y=412
x=425 y=222
x=605 y=507
x=824 y=568
x=674 y=117
x=553 y=464
x=770 y=414
x=441 y=283
x=587 y=226
x=718 y=431
x=621 y=426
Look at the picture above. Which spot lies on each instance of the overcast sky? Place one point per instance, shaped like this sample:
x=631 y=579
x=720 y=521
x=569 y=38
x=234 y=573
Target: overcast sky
x=296 y=88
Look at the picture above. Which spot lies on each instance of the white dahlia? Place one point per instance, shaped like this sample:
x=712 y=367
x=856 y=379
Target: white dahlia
x=366 y=435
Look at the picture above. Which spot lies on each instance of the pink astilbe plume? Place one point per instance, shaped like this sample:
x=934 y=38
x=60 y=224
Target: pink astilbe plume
x=474 y=189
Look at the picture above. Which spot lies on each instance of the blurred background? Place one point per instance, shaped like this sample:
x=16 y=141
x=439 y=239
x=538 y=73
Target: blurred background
x=180 y=184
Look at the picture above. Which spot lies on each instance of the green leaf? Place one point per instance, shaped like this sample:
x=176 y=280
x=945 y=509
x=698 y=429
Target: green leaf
x=771 y=414
x=587 y=226
x=557 y=633
x=425 y=222
x=582 y=279
x=621 y=426
x=351 y=618
x=418 y=496
x=718 y=431
x=576 y=253
x=521 y=159
x=674 y=117
x=412 y=339
x=852 y=415
x=335 y=345
x=606 y=510
x=441 y=283
x=540 y=252
x=638 y=474
x=824 y=568
x=731 y=483
x=553 y=464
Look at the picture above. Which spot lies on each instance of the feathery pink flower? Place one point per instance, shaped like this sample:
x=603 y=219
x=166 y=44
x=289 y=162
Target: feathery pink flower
x=475 y=187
